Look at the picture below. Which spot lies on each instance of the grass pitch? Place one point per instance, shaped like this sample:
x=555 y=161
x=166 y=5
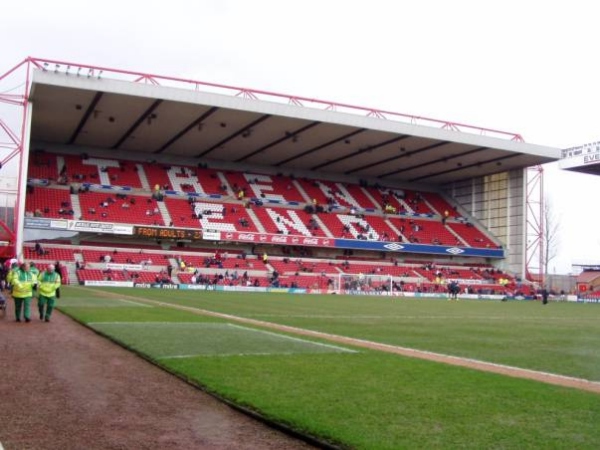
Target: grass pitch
x=368 y=399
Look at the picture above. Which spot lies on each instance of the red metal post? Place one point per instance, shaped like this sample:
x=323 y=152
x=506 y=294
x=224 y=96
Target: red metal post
x=534 y=223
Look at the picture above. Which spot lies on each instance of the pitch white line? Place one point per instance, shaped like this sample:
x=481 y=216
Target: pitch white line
x=221 y=355
x=93 y=305
x=362 y=317
x=223 y=325
x=1 y=447
x=202 y=324
x=291 y=338
x=133 y=303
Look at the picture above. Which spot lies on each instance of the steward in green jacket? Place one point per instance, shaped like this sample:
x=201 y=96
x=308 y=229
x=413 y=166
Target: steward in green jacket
x=22 y=281
x=49 y=282
x=11 y=273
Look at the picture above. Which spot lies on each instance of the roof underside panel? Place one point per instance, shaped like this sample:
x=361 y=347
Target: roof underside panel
x=156 y=132
x=58 y=112
x=151 y=119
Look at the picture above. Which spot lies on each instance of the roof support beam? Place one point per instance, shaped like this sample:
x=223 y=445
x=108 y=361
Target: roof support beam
x=184 y=131
x=401 y=155
x=278 y=141
x=435 y=161
x=360 y=151
x=469 y=166
x=234 y=135
x=85 y=117
x=322 y=146
x=137 y=123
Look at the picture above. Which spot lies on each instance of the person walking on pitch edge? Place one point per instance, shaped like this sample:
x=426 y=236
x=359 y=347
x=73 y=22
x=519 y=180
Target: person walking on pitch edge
x=22 y=281
x=545 y=294
x=453 y=290
x=49 y=283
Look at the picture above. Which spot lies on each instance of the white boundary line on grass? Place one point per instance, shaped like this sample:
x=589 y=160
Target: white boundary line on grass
x=156 y=323
x=1 y=447
x=285 y=336
x=515 y=372
x=232 y=325
x=397 y=316
x=133 y=303
x=225 y=355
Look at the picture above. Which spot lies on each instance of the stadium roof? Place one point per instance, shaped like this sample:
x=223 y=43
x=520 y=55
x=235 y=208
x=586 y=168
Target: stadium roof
x=590 y=169
x=583 y=159
x=145 y=117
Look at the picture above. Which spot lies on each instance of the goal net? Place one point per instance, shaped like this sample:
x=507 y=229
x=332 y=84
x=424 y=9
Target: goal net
x=360 y=284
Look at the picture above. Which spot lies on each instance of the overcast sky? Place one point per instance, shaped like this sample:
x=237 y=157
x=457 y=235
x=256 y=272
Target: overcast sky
x=521 y=66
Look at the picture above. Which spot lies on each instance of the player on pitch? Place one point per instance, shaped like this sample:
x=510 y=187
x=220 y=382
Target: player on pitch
x=49 y=282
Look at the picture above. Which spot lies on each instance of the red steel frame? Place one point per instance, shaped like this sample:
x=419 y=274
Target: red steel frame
x=535 y=226
x=16 y=144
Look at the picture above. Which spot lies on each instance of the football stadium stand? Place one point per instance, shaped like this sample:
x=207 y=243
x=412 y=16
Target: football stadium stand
x=234 y=191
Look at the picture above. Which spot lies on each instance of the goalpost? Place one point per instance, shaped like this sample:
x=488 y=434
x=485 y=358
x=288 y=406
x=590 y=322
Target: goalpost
x=360 y=284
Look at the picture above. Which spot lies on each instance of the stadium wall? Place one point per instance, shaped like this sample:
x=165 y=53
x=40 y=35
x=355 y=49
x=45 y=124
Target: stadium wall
x=497 y=202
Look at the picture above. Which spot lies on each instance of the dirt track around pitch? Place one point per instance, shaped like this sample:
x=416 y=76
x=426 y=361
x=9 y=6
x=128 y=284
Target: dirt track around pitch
x=515 y=372
x=65 y=387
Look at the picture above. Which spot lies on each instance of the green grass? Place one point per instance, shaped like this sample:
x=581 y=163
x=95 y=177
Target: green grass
x=178 y=339
x=560 y=338
x=374 y=400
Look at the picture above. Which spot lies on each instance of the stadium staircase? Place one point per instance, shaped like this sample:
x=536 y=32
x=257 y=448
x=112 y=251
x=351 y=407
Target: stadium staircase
x=322 y=226
x=143 y=178
x=75 y=205
x=164 y=212
x=257 y=223
x=394 y=229
x=368 y=194
x=224 y=182
x=175 y=266
x=72 y=272
x=458 y=236
x=300 y=189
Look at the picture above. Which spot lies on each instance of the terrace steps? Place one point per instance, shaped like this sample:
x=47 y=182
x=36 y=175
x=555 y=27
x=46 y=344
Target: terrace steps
x=75 y=205
x=257 y=223
x=166 y=216
x=143 y=178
